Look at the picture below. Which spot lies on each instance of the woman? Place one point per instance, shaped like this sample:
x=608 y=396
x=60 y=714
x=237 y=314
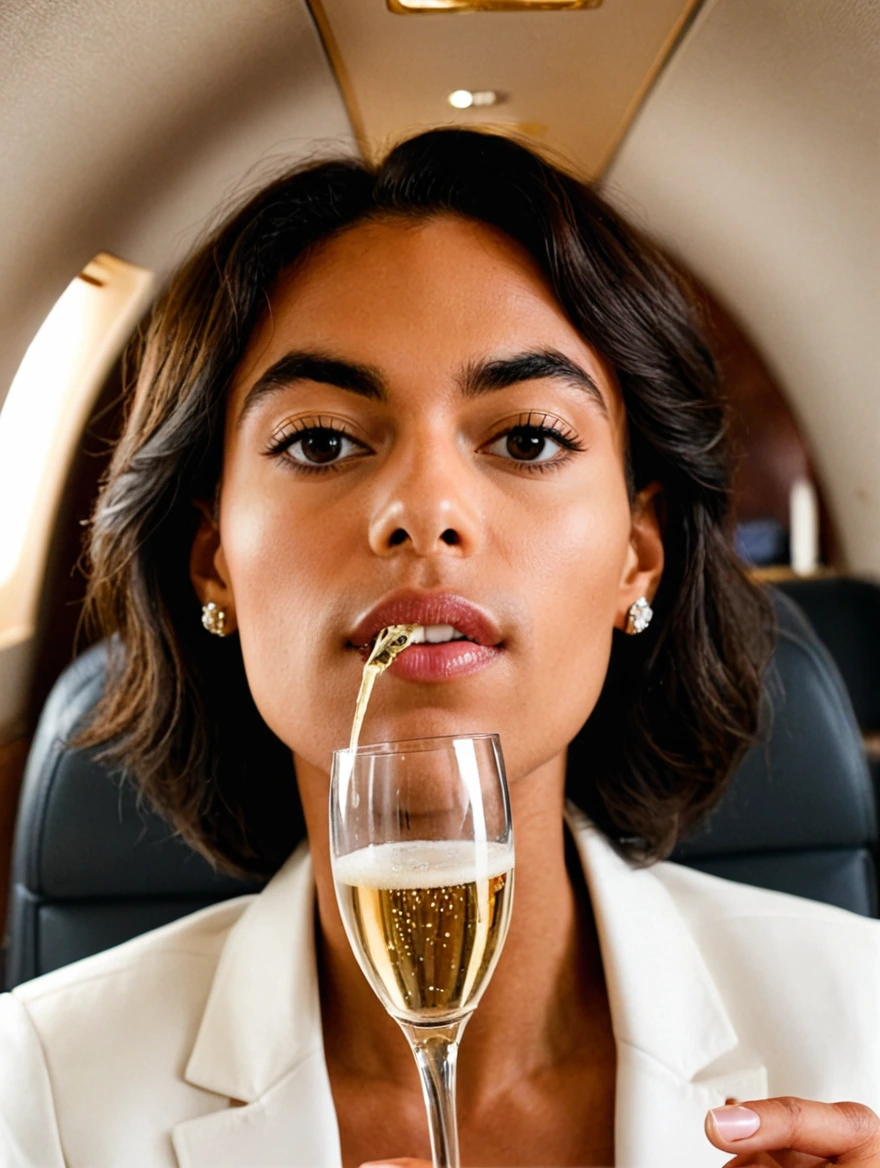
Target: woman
x=455 y=390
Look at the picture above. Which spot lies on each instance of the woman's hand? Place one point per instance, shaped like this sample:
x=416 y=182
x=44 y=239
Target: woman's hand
x=796 y=1133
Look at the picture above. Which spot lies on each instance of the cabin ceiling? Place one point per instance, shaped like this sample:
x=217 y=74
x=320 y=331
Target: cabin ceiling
x=753 y=154
x=124 y=124
x=570 y=80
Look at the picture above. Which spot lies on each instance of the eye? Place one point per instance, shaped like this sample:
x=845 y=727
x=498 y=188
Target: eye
x=532 y=444
x=315 y=447
x=320 y=446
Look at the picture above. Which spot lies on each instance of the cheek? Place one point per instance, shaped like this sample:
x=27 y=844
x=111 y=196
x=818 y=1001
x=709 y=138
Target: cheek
x=284 y=566
x=576 y=571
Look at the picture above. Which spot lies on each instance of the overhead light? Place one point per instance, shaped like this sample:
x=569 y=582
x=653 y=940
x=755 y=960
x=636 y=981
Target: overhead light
x=465 y=98
x=412 y=7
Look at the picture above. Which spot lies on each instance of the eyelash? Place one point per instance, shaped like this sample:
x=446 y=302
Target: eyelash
x=538 y=424
x=302 y=427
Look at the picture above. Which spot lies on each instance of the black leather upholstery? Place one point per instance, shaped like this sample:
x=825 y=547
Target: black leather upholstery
x=845 y=614
x=800 y=814
x=91 y=869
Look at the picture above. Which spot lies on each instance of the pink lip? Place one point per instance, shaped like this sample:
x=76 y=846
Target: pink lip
x=434 y=662
x=443 y=662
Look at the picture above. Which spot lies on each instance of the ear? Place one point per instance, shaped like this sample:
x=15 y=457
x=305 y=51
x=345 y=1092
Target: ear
x=645 y=556
x=207 y=565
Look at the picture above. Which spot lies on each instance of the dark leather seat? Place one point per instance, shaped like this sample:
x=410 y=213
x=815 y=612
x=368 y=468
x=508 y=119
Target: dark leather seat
x=845 y=614
x=800 y=814
x=91 y=869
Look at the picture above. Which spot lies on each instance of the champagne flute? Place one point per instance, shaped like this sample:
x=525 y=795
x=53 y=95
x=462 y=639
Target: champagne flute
x=421 y=846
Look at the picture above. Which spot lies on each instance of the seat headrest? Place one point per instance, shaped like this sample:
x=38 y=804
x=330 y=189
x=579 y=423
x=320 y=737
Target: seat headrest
x=807 y=785
x=80 y=831
x=846 y=616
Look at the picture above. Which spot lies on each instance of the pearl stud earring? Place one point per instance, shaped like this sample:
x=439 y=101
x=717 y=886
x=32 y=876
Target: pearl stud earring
x=639 y=616
x=214 y=618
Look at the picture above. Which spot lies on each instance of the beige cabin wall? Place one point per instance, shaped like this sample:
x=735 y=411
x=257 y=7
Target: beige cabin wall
x=756 y=161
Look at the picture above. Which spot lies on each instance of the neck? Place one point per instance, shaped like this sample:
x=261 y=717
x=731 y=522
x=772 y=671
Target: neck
x=547 y=990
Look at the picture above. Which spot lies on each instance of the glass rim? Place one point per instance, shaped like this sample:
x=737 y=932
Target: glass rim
x=411 y=745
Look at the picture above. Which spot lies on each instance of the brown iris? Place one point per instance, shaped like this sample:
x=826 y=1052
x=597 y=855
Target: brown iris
x=321 y=445
x=525 y=444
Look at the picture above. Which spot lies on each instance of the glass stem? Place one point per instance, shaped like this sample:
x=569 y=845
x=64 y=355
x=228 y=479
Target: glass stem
x=436 y=1053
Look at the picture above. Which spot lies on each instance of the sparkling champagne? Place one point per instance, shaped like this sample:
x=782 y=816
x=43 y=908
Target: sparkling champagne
x=426 y=919
x=389 y=643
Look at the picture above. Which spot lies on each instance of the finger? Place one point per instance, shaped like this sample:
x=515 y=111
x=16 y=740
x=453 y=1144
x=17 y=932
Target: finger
x=758 y=1160
x=776 y=1160
x=848 y=1132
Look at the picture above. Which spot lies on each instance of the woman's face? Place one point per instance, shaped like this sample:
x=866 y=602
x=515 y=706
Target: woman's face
x=416 y=422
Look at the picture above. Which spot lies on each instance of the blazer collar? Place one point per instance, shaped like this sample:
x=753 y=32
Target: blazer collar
x=260 y=1040
x=663 y=998
x=678 y=1054
x=263 y=1016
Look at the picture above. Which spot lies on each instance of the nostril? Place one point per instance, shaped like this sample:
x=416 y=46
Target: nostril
x=397 y=537
x=451 y=537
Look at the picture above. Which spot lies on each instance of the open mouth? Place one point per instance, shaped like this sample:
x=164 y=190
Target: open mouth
x=426 y=635
x=453 y=638
x=442 y=618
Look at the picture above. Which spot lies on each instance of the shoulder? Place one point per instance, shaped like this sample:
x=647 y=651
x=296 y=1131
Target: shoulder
x=181 y=954
x=28 y=1131
x=739 y=920
x=710 y=902
x=104 y=1045
x=149 y=990
x=101 y=1029
x=800 y=979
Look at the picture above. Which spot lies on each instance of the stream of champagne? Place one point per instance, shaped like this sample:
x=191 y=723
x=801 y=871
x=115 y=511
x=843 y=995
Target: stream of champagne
x=389 y=643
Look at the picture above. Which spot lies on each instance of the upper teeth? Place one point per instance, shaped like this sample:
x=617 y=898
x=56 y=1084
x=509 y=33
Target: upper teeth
x=436 y=634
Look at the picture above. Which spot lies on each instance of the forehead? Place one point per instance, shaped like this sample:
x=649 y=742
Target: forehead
x=417 y=299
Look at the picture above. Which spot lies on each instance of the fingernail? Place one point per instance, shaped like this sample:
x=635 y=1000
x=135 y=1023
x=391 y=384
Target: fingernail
x=735 y=1123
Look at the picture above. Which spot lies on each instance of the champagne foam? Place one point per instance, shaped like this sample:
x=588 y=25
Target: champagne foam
x=423 y=864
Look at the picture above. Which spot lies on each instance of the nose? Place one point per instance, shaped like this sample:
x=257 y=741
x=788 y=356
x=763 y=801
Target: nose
x=426 y=504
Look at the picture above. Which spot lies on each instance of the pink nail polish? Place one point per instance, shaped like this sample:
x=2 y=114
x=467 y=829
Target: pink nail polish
x=735 y=1123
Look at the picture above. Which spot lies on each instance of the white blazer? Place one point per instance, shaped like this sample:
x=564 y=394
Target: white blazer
x=199 y=1045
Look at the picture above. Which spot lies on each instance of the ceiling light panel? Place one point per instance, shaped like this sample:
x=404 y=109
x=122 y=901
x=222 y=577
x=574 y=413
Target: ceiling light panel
x=568 y=80
x=407 y=7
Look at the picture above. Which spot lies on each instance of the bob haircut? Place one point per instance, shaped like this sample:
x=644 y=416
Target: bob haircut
x=680 y=702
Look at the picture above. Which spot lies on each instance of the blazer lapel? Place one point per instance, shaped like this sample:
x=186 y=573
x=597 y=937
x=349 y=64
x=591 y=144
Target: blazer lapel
x=292 y=1126
x=260 y=1043
x=678 y=1054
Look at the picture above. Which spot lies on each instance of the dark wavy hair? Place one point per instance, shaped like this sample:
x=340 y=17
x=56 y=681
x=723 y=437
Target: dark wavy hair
x=680 y=702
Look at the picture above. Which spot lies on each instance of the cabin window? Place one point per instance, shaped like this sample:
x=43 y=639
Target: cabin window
x=44 y=415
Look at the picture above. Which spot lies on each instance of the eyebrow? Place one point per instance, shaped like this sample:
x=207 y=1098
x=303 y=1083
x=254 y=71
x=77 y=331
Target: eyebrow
x=488 y=376
x=363 y=380
x=477 y=379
